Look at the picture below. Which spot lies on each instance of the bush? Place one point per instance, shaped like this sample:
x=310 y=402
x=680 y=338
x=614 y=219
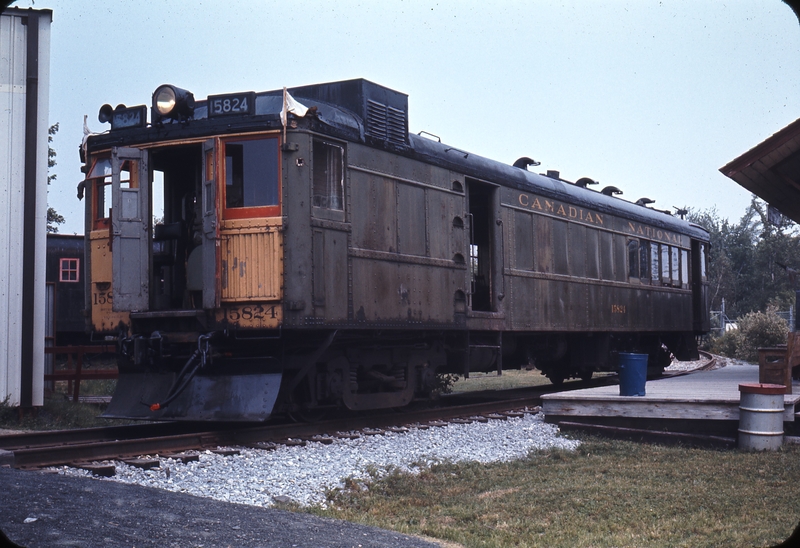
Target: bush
x=756 y=329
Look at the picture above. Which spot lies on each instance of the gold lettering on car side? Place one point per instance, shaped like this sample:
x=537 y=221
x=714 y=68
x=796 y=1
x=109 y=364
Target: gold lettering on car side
x=562 y=210
x=653 y=233
x=618 y=309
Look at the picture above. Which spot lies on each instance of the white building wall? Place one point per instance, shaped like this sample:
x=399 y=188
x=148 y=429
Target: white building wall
x=13 y=154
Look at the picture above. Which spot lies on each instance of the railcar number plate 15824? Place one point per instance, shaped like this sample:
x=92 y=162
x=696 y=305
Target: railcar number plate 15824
x=257 y=315
x=231 y=104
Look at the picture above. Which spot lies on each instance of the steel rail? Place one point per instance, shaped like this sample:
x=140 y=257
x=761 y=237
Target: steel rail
x=37 y=457
x=28 y=440
x=36 y=450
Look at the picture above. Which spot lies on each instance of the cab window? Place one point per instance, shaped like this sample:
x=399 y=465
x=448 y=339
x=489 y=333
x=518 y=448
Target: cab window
x=252 y=177
x=328 y=176
x=100 y=177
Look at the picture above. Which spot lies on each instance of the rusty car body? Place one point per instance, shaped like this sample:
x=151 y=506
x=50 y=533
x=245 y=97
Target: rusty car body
x=251 y=260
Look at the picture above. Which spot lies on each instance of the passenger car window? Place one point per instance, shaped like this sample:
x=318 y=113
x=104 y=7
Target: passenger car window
x=655 y=270
x=633 y=258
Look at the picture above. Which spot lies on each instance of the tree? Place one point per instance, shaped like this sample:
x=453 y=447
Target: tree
x=747 y=260
x=53 y=217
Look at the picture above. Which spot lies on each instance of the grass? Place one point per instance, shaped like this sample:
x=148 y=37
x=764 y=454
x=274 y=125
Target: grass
x=511 y=378
x=57 y=413
x=607 y=493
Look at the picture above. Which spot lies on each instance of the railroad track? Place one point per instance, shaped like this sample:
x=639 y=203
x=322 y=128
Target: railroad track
x=707 y=362
x=83 y=447
x=27 y=452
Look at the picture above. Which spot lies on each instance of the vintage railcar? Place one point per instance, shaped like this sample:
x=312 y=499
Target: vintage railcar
x=65 y=321
x=255 y=257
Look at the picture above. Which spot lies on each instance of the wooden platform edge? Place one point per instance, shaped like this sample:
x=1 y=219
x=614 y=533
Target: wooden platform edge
x=651 y=409
x=638 y=434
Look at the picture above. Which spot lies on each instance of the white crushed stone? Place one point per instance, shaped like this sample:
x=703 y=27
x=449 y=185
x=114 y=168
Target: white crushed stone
x=304 y=474
x=721 y=361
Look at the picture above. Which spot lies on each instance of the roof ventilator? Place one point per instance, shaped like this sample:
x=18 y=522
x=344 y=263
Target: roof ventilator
x=385 y=123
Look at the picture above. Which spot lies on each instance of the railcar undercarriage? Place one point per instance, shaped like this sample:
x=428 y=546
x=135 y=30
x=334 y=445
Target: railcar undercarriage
x=229 y=377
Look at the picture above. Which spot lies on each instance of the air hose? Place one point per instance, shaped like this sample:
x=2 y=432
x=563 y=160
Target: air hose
x=200 y=356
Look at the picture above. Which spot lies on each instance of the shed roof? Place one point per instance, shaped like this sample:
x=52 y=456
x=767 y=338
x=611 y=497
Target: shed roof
x=771 y=170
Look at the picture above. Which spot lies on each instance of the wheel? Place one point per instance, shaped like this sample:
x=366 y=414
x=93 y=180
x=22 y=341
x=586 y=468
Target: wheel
x=307 y=414
x=586 y=374
x=557 y=378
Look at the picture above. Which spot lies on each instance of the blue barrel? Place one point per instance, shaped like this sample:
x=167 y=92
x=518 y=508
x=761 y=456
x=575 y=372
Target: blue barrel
x=632 y=374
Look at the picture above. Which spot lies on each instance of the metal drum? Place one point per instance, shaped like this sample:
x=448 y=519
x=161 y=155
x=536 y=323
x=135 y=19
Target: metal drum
x=760 y=416
x=632 y=374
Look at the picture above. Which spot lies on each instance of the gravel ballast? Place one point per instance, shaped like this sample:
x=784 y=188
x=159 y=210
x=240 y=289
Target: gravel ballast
x=303 y=475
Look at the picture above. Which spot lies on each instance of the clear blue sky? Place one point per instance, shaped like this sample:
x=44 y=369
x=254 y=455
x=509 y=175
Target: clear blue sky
x=652 y=97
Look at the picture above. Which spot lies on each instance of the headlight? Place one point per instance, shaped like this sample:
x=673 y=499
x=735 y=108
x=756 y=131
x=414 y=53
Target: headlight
x=164 y=100
x=172 y=102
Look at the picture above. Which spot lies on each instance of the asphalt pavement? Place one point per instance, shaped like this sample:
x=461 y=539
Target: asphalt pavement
x=40 y=509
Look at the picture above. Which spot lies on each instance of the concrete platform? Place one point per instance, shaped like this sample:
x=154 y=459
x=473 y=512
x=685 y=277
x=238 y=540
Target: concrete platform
x=702 y=401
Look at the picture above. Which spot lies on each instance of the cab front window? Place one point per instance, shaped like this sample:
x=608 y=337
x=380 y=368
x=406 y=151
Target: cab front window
x=252 y=175
x=100 y=179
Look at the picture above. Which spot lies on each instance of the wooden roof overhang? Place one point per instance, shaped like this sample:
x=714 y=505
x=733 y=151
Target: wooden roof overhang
x=771 y=170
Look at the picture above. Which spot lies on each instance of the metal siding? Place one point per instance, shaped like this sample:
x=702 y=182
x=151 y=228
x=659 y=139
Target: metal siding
x=375 y=221
x=13 y=157
x=373 y=286
x=411 y=220
x=523 y=240
x=444 y=238
x=524 y=308
x=577 y=247
x=297 y=250
x=543 y=244
x=12 y=166
x=103 y=318
x=592 y=254
x=330 y=274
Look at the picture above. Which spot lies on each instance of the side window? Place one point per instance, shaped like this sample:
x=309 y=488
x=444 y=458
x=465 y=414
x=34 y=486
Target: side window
x=703 y=262
x=684 y=268
x=100 y=179
x=644 y=260
x=633 y=259
x=665 y=262
x=675 y=264
x=655 y=267
x=252 y=175
x=68 y=270
x=328 y=169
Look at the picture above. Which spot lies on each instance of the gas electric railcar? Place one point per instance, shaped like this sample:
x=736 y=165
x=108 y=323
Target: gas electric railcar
x=269 y=252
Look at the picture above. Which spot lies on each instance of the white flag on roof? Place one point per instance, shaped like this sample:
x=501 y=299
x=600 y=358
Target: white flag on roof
x=290 y=105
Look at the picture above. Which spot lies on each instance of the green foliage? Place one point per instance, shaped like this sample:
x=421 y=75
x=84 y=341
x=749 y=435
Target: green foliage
x=747 y=259
x=53 y=217
x=444 y=383
x=7 y=412
x=57 y=413
x=756 y=329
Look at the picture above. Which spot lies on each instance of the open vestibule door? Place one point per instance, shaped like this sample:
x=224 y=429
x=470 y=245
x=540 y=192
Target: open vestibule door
x=130 y=225
x=210 y=243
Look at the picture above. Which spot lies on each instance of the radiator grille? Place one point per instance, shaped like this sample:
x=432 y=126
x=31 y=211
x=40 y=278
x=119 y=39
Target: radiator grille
x=251 y=265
